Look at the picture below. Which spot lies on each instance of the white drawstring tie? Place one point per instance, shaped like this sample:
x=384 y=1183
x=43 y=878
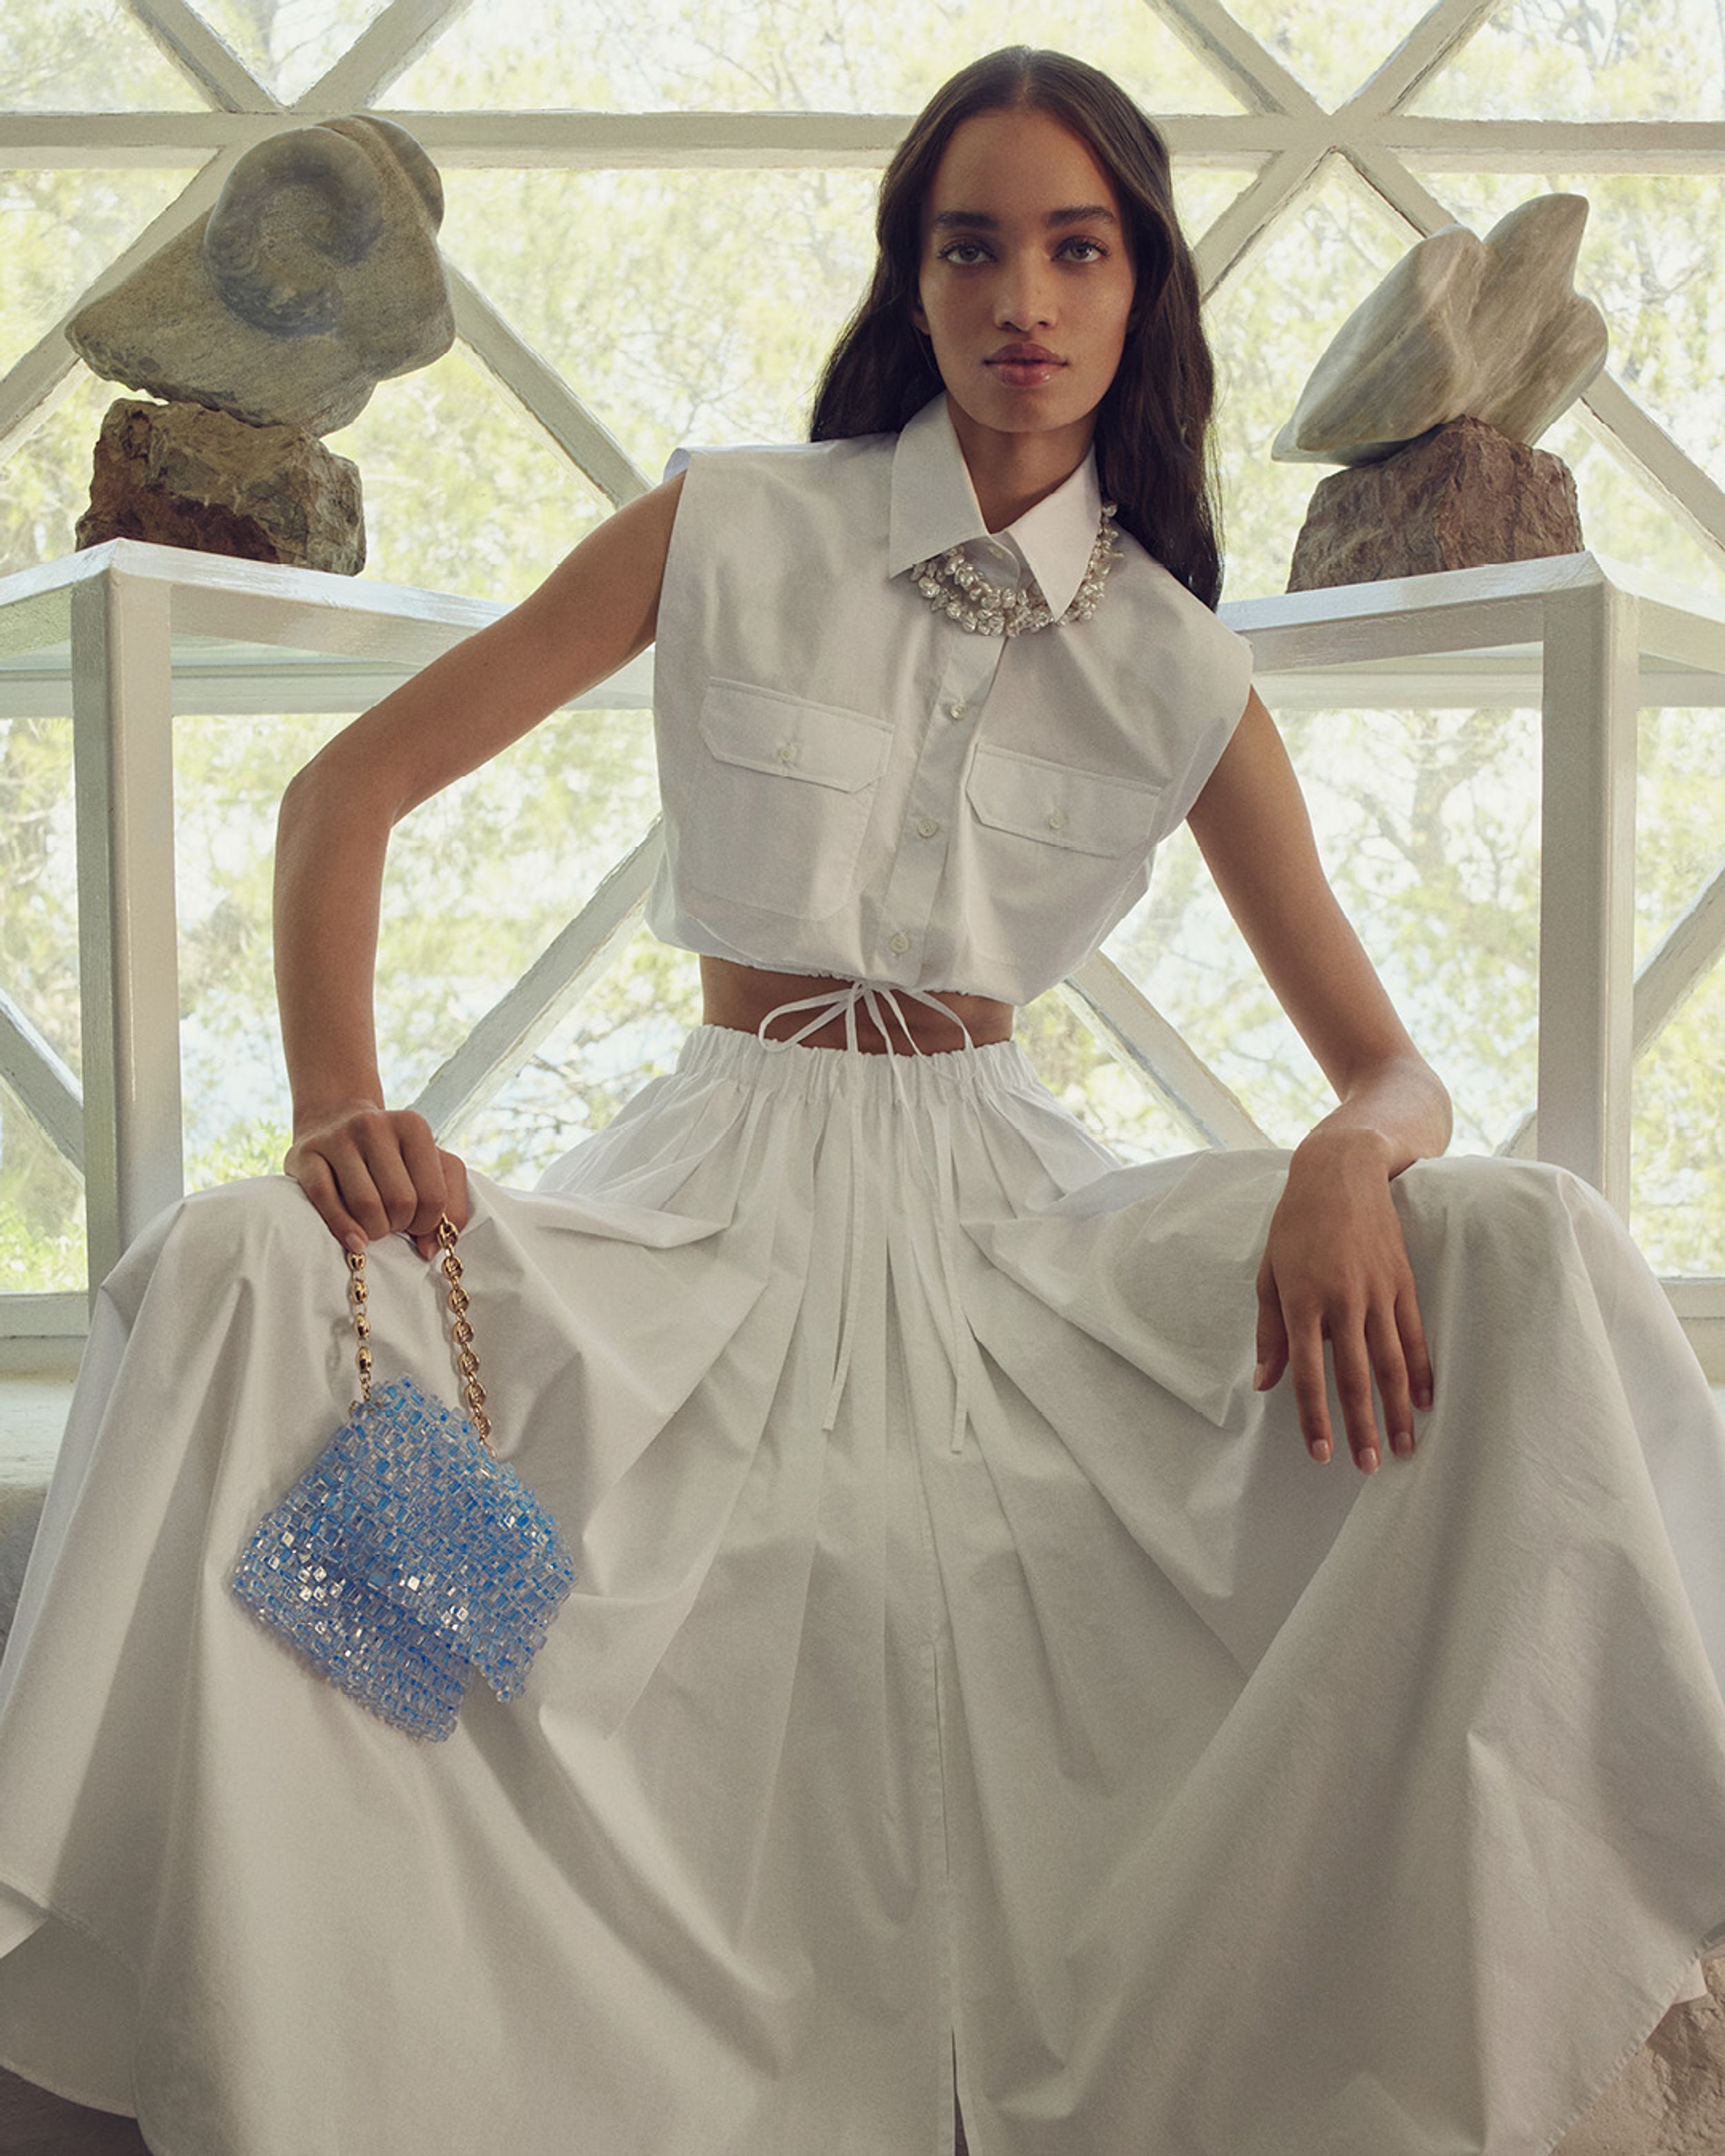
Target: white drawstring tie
x=843 y=1002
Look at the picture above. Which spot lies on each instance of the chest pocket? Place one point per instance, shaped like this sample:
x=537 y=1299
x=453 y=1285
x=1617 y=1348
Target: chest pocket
x=782 y=796
x=1055 y=849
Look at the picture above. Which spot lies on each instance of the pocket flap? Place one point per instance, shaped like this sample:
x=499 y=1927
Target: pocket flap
x=1089 y=811
x=765 y=730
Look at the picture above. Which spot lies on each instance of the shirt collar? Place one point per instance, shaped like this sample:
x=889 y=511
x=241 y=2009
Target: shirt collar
x=934 y=509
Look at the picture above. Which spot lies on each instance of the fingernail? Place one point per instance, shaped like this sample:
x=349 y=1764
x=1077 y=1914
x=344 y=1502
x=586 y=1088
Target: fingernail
x=1369 y=1459
x=1401 y=1444
x=1259 y=1376
x=1321 y=1450
x=354 y=1241
x=1422 y=1396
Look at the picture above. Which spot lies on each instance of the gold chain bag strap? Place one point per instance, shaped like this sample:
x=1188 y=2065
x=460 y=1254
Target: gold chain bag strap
x=409 y=1556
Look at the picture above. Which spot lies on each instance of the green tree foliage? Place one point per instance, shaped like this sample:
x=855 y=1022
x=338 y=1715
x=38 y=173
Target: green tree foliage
x=696 y=305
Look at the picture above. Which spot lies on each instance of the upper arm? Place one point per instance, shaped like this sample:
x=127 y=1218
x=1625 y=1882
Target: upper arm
x=1252 y=828
x=596 y=611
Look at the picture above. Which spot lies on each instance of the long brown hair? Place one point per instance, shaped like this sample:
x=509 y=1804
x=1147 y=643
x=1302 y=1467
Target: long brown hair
x=1152 y=439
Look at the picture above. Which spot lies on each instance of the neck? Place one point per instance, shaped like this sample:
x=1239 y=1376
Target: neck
x=1012 y=472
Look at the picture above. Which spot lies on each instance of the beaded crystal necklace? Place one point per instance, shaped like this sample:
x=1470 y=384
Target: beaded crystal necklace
x=952 y=586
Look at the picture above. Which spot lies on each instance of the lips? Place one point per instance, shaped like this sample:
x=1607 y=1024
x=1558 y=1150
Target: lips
x=1023 y=365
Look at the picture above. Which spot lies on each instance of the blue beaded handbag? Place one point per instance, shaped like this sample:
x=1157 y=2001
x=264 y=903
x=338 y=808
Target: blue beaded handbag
x=409 y=1555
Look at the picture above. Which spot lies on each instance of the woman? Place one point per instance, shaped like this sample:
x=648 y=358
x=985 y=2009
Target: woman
x=969 y=1692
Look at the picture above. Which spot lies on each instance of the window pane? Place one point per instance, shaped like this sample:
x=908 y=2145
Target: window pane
x=1612 y=59
x=85 y=56
x=289 y=44
x=781 y=56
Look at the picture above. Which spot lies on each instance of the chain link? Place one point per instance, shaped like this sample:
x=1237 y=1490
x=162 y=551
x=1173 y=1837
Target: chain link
x=460 y=1332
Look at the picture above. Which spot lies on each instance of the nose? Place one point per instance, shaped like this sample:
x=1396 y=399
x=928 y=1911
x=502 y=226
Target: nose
x=1023 y=299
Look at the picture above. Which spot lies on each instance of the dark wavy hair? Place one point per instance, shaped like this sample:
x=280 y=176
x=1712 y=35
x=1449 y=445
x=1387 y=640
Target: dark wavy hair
x=1153 y=437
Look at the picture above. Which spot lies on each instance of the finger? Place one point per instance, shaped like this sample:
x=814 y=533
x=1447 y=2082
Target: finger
x=379 y=1146
x=312 y=1172
x=1272 y=1339
x=1306 y=1360
x=1353 y=1390
x=425 y=1166
x=1414 y=1351
x=358 y=1192
x=456 y=1203
x=1390 y=1369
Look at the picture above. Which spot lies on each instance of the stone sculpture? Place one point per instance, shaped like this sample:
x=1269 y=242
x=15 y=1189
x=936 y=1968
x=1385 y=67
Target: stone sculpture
x=315 y=275
x=1432 y=392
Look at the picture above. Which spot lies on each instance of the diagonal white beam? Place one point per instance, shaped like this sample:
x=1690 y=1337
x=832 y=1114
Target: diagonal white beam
x=523 y=1015
x=1227 y=243
x=1230 y=51
x=1433 y=40
x=387 y=47
x=34 y=1070
x=541 y=390
x=1609 y=413
x=203 y=57
x=1132 y=1028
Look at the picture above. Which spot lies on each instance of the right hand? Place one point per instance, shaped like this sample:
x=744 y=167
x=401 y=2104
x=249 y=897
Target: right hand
x=373 y=1172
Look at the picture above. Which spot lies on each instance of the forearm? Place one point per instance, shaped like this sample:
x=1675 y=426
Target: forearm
x=1398 y=1109
x=331 y=839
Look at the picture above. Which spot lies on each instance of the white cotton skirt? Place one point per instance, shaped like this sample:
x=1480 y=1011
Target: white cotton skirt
x=1183 y=1796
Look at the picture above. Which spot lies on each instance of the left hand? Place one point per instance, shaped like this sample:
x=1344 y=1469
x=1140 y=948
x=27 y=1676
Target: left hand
x=1336 y=1268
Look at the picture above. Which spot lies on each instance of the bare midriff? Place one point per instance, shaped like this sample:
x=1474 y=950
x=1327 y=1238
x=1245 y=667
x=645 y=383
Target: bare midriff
x=740 y=996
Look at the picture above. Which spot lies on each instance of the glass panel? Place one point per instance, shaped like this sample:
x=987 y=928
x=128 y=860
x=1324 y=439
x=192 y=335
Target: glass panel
x=1269 y=326
x=1650 y=259
x=1428 y=824
x=44 y=484
x=463 y=491
x=1202 y=192
x=58 y=231
x=680 y=305
x=1113 y=1102
x=480 y=879
x=289 y=44
x=41 y=1240
x=1332 y=45
x=781 y=56
x=85 y=56
x=1622 y=516
x=1612 y=59
x=1677 y=1186
x=41 y=1195
x=626 y=1029
x=1678 y=1181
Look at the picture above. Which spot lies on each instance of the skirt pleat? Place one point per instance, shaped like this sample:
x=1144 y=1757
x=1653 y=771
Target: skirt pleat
x=967 y=1670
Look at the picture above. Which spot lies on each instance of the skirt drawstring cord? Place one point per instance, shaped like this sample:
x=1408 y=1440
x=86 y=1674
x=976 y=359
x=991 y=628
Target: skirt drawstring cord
x=843 y=1003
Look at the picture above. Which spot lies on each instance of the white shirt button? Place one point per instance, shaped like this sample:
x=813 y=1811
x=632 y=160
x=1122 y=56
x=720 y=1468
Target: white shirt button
x=926 y=827
x=788 y=751
x=900 y=944
x=957 y=711
x=1056 y=820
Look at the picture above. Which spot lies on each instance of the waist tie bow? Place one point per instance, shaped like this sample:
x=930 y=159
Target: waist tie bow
x=843 y=1003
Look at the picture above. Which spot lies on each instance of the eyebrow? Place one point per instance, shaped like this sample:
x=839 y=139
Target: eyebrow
x=979 y=221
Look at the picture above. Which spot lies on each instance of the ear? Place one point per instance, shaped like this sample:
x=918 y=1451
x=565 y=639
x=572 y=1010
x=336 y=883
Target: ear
x=919 y=320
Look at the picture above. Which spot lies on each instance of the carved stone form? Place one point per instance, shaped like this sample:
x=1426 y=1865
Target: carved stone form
x=182 y=476
x=1488 y=329
x=1462 y=495
x=315 y=274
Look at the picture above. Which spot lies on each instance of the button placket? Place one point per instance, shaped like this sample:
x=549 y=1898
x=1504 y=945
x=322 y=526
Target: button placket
x=926 y=829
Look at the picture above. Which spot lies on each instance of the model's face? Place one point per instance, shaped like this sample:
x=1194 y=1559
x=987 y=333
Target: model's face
x=1026 y=283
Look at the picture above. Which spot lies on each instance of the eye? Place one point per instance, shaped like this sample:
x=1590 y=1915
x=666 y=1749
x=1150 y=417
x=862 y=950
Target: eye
x=962 y=254
x=1094 y=249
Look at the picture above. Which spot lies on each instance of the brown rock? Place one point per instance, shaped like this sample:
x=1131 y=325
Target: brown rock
x=1670 y=2100
x=182 y=476
x=1460 y=496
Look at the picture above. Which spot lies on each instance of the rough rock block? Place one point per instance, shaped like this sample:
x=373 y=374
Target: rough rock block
x=182 y=476
x=1460 y=496
x=1670 y=2100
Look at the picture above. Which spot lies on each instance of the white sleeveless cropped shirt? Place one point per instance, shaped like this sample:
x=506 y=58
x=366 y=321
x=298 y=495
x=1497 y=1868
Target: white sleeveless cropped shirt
x=854 y=784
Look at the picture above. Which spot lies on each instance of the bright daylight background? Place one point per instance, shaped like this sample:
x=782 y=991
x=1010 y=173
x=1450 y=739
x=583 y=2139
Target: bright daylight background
x=696 y=304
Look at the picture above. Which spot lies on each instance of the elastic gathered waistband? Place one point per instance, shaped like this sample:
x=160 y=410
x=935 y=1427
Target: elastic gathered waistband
x=997 y=1066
